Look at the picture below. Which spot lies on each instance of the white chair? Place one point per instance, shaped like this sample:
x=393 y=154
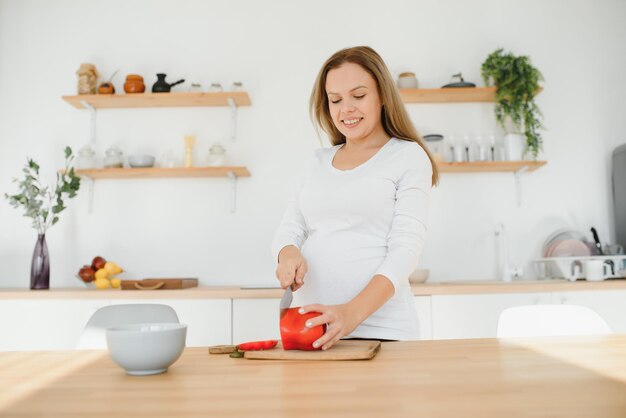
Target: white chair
x=94 y=335
x=550 y=320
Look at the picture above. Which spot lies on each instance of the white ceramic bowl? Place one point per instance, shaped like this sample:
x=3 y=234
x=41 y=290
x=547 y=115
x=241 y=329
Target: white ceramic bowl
x=144 y=349
x=140 y=160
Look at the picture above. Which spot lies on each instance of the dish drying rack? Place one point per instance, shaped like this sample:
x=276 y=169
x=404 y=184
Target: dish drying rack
x=573 y=268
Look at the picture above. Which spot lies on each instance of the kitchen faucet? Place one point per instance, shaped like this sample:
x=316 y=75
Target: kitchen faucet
x=507 y=272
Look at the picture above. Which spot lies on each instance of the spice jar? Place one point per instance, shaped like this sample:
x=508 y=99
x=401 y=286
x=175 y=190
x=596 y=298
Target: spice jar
x=87 y=79
x=113 y=158
x=86 y=158
x=217 y=155
x=134 y=84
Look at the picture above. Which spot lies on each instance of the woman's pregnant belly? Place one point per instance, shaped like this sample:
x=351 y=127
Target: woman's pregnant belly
x=339 y=267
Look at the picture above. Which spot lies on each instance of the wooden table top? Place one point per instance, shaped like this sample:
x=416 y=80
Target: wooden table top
x=541 y=377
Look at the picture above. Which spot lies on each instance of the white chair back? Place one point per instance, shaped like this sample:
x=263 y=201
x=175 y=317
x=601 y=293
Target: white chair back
x=94 y=335
x=550 y=320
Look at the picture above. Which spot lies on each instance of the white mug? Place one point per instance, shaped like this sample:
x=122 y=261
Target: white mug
x=596 y=270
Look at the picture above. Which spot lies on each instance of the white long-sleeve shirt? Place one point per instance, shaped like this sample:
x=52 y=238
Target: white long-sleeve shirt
x=351 y=225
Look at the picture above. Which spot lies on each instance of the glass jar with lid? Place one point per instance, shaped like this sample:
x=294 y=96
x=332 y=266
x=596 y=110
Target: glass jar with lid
x=217 y=155
x=434 y=142
x=113 y=158
x=86 y=158
x=215 y=88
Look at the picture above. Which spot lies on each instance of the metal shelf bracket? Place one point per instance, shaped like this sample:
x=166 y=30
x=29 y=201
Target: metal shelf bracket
x=92 y=121
x=518 y=184
x=233 y=117
x=233 y=197
x=91 y=185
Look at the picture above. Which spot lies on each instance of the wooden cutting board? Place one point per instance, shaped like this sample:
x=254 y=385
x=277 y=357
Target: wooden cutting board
x=156 y=284
x=342 y=350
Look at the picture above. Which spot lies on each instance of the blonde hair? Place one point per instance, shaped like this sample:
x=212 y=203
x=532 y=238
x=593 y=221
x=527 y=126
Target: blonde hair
x=394 y=117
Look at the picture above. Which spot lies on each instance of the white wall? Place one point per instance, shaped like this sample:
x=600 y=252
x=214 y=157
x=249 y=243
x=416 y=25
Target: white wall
x=184 y=228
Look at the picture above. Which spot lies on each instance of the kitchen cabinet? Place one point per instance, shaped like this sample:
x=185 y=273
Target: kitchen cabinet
x=255 y=319
x=57 y=324
x=475 y=316
x=208 y=320
x=609 y=305
x=424 y=316
x=54 y=319
x=44 y=324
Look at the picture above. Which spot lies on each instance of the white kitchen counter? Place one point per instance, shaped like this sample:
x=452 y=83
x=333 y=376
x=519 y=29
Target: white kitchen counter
x=225 y=292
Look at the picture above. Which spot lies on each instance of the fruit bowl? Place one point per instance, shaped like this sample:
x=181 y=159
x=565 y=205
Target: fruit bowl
x=101 y=274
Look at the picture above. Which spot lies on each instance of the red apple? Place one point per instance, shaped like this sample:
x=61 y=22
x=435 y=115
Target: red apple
x=98 y=263
x=87 y=274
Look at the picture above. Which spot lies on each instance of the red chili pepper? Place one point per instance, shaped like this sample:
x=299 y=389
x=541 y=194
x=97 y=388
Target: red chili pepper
x=295 y=335
x=257 y=345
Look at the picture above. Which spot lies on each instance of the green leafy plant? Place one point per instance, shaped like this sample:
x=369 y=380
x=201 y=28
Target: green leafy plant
x=517 y=83
x=42 y=203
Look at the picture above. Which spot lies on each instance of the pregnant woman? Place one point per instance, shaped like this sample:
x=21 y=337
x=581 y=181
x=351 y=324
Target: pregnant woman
x=354 y=231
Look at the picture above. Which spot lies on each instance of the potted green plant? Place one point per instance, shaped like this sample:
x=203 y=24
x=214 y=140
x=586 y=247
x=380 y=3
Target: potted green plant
x=517 y=83
x=43 y=204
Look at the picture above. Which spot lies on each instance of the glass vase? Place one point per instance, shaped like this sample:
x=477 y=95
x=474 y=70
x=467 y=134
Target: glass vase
x=40 y=266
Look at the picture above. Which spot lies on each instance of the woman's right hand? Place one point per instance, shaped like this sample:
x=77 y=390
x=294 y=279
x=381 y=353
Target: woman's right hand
x=291 y=268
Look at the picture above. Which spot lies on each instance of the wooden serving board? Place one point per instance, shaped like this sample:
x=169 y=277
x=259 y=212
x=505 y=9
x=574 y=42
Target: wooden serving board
x=156 y=284
x=342 y=350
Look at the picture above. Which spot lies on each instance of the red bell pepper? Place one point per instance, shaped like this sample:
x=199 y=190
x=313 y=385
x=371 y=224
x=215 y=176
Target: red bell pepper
x=257 y=345
x=295 y=335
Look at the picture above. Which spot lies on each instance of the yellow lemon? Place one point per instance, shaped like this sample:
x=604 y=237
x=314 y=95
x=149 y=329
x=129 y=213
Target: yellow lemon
x=101 y=274
x=116 y=283
x=102 y=283
x=112 y=268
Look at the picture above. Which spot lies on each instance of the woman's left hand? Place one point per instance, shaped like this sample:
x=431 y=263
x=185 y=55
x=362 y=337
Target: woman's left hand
x=341 y=320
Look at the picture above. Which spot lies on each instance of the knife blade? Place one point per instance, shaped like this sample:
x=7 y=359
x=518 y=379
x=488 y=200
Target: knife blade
x=597 y=240
x=285 y=301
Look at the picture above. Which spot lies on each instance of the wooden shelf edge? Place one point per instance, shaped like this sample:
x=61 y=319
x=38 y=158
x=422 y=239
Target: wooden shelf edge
x=490 y=166
x=451 y=95
x=159 y=172
x=139 y=100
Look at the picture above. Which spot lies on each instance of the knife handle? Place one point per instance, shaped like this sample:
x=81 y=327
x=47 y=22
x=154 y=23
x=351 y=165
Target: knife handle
x=597 y=240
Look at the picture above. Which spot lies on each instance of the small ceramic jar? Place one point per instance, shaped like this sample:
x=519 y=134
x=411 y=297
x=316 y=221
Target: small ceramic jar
x=134 y=84
x=407 y=81
x=106 y=88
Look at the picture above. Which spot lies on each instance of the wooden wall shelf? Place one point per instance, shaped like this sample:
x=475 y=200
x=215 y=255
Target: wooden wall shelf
x=158 y=172
x=450 y=95
x=113 y=101
x=490 y=166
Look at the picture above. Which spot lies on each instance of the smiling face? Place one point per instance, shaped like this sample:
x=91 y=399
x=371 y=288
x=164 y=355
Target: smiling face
x=353 y=102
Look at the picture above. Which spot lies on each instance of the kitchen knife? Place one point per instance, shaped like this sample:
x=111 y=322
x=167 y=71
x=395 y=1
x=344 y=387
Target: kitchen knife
x=285 y=301
x=597 y=240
